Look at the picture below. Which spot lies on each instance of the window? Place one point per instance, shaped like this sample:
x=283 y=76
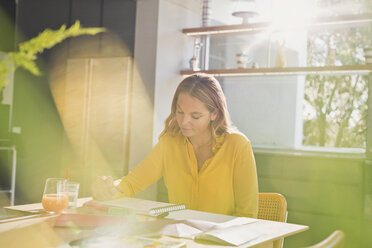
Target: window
x=300 y=109
x=335 y=107
x=315 y=110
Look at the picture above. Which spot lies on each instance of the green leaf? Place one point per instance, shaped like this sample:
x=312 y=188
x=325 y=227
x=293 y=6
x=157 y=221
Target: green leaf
x=29 y=50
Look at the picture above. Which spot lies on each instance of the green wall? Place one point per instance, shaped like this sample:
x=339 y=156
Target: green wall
x=325 y=192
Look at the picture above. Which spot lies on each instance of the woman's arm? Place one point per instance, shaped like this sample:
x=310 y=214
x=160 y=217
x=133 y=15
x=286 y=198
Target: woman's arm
x=245 y=182
x=144 y=174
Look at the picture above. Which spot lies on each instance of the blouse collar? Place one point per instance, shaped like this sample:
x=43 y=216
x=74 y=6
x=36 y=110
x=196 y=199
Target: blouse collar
x=216 y=146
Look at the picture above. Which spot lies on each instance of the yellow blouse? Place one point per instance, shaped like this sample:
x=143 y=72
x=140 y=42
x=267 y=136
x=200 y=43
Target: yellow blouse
x=225 y=184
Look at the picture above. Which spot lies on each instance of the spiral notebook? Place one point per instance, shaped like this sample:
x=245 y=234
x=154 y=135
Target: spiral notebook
x=128 y=205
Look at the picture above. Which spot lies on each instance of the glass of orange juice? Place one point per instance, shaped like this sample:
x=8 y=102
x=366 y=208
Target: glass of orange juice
x=55 y=198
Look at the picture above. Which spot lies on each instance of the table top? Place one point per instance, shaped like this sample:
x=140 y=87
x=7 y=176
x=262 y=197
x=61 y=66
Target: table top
x=271 y=230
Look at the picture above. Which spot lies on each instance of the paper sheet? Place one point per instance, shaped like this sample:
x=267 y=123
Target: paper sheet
x=233 y=235
x=191 y=228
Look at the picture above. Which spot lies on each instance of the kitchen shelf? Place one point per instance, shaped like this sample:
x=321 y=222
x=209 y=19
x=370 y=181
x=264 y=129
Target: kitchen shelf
x=324 y=70
x=258 y=27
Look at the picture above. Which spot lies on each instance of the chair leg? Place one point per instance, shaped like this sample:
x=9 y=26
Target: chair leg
x=278 y=243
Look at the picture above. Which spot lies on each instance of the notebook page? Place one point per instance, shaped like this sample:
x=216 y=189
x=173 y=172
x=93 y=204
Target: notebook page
x=139 y=206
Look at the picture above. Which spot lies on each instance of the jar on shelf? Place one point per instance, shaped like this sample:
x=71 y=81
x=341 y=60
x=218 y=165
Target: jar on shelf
x=194 y=64
x=242 y=60
x=368 y=55
x=195 y=59
x=331 y=56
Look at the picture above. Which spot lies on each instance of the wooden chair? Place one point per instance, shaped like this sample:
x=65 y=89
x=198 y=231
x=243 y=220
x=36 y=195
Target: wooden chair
x=272 y=206
x=335 y=240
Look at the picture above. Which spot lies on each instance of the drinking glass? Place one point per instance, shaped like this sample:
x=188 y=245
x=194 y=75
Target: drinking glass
x=55 y=198
x=72 y=191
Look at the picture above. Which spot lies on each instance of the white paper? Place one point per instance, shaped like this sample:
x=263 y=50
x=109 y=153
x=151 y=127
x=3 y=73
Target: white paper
x=233 y=235
x=191 y=228
x=180 y=230
x=209 y=225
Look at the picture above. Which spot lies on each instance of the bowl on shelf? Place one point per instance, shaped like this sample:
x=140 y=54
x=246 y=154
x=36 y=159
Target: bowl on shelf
x=245 y=15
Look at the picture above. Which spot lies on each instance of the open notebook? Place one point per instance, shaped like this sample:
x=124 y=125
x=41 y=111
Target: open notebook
x=128 y=205
x=235 y=232
x=233 y=235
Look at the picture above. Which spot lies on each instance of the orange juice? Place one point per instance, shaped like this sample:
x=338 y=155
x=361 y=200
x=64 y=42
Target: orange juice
x=54 y=202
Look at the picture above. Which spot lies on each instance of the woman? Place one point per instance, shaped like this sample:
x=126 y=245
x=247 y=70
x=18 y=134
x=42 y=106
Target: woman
x=205 y=163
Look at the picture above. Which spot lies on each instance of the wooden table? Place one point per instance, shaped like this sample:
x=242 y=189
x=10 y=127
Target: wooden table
x=39 y=231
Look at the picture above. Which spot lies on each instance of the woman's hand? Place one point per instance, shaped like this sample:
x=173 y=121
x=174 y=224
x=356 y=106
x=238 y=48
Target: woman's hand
x=103 y=188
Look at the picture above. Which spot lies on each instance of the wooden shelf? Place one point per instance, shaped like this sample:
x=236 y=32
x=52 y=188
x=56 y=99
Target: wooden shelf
x=326 y=70
x=258 y=27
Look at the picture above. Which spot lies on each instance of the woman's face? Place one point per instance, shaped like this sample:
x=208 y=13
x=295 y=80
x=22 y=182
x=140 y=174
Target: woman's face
x=192 y=116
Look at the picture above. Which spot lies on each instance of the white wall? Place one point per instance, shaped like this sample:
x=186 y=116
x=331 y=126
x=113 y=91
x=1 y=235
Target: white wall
x=174 y=51
x=143 y=86
x=161 y=51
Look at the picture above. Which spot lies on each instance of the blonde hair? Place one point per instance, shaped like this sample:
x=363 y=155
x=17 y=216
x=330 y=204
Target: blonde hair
x=208 y=90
